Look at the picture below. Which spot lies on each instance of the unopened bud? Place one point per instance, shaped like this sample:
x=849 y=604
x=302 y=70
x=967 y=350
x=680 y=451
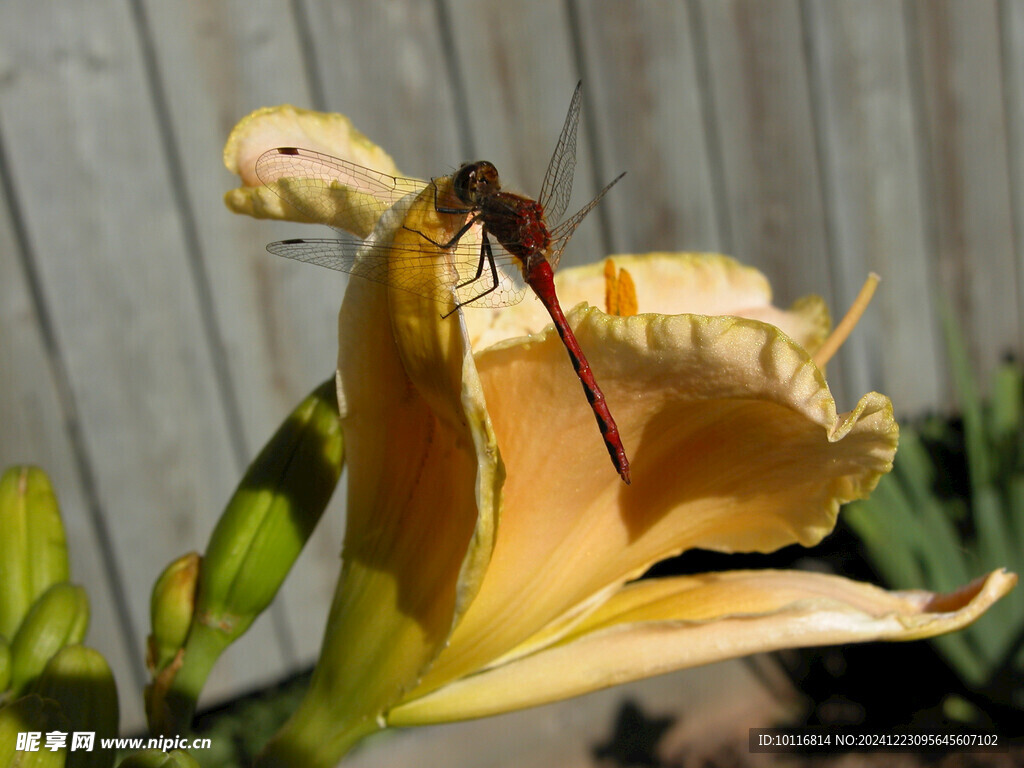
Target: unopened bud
x=80 y=680
x=59 y=617
x=33 y=551
x=171 y=608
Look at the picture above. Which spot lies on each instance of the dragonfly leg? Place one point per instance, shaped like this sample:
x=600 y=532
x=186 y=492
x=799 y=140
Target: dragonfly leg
x=485 y=253
x=486 y=256
x=458 y=235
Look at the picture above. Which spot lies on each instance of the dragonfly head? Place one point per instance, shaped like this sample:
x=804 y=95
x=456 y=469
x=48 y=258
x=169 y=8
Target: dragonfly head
x=474 y=182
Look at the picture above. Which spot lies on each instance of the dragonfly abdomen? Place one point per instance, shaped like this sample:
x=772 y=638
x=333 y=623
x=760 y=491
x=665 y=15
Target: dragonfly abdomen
x=541 y=279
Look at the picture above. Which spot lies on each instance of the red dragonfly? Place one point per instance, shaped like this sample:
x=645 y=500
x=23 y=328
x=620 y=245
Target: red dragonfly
x=480 y=274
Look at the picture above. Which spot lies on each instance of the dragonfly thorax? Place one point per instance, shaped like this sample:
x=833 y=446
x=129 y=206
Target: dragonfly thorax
x=518 y=224
x=475 y=182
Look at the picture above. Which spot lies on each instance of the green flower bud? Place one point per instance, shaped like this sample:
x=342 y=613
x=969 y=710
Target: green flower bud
x=272 y=513
x=171 y=608
x=253 y=547
x=59 y=617
x=80 y=680
x=33 y=551
x=31 y=718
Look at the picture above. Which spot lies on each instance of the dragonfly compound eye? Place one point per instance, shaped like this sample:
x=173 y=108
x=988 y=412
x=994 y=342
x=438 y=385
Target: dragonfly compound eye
x=474 y=182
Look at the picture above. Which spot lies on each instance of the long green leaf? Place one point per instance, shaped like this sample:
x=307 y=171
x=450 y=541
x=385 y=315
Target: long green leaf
x=941 y=549
x=979 y=460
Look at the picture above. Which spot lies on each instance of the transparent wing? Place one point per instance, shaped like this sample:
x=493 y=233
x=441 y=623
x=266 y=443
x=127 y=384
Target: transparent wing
x=463 y=279
x=311 y=182
x=331 y=191
x=560 y=235
x=557 y=186
x=317 y=170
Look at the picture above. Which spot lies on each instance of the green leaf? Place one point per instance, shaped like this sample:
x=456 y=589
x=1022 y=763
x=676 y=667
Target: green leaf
x=979 y=460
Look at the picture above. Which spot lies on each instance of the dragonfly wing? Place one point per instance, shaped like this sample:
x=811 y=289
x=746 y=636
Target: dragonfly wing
x=557 y=186
x=321 y=186
x=330 y=190
x=448 y=278
x=405 y=270
x=336 y=254
x=560 y=235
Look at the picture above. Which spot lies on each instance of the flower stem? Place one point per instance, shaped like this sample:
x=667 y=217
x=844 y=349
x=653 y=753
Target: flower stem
x=312 y=739
x=172 y=712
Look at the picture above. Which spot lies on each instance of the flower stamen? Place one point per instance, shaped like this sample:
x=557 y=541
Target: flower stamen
x=619 y=291
x=849 y=321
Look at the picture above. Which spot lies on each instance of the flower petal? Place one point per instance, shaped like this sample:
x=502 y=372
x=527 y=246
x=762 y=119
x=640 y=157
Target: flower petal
x=423 y=465
x=669 y=284
x=424 y=476
x=735 y=446
x=661 y=625
x=288 y=126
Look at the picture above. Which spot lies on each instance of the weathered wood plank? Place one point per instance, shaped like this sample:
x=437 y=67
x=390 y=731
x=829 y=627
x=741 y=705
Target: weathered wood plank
x=872 y=176
x=35 y=421
x=92 y=180
x=384 y=66
x=647 y=90
x=957 y=50
x=276 y=321
x=762 y=115
x=519 y=69
x=1011 y=26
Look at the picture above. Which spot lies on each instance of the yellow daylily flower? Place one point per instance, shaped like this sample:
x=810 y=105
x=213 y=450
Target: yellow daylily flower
x=491 y=552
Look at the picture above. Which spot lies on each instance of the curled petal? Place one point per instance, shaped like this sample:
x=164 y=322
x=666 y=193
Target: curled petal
x=288 y=126
x=657 y=626
x=668 y=284
x=424 y=477
x=735 y=444
x=424 y=472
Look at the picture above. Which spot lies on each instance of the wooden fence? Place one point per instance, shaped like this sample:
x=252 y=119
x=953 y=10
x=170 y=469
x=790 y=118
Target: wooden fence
x=149 y=345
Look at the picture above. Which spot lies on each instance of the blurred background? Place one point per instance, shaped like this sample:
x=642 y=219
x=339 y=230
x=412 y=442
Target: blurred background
x=149 y=345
